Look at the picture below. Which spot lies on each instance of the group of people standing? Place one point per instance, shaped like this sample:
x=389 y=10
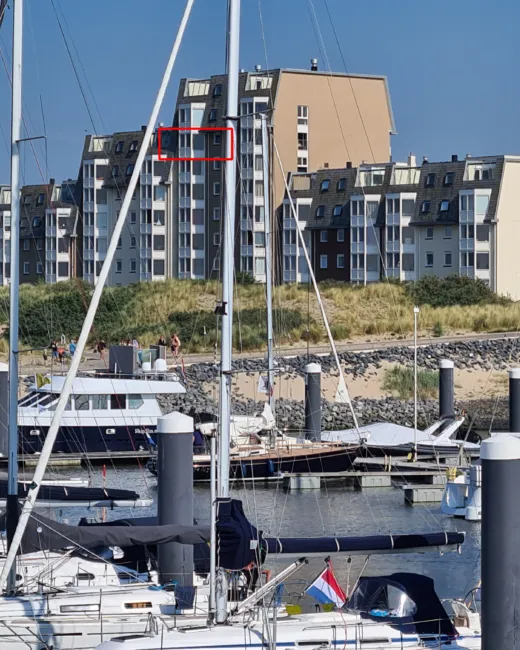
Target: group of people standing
x=175 y=344
x=61 y=351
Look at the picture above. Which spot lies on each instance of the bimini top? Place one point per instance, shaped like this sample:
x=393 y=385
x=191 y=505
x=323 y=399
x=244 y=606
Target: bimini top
x=113 y=385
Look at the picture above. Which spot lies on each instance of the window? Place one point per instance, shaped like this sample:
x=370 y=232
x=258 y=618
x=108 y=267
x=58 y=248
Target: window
x=130 y=169
x=133 y=217
x=337 y=210
x=101 y=220
x=259 y=188
x=340 y=235
x=132 y=241
x=158 y=242
x=302 y=142
x=119 y=266
x=260 y=265
x=159 y=193
x=101 y=196
x=340 y=261
x=39 y=268
x=392 y=233
x=429 y=259
x=115 y=171
x=289 y=238
x=324 y=187
x=247 y=186
x=357 y=208
x=342 y=184
x=101 y=245
x=259 y=213
x=467 y=231
x=324 y=235
x=99 y=402
x=323 y=261
x=26 y=268
x=444 y=206
x=467 y=202
x=408 y=262
x=372 y=262
x=216 y=189
x=259 y=239
x=407 y=206
x=425 y=207
x=449 y=178
x=392 y=260
x=320 y=211
x=133 y=266
x=303 y=115
x=117 y=402
x=430 y=180
x=467 y=259
x=447 y=258
x=27 y=244
x=392 y=206
x=246 y=135
x=217 y=90
x=358 y=235
x=482 y=232
x=483 y=261
x=212 y=115
x=119 y=146
x=40 y=199
x=429 y=233
x=158 y=267
x=482 y=203
x=358 y=261
x=216 y=239
x=39 y=244
x=447 y=232
x=27 y=199
x=217 y=138
x=259 y=163
x=133 y=146
x=81 y=402
x=216 y=165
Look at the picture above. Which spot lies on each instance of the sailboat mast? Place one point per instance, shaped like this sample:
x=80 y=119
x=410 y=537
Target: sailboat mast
x=16 y=131
x=268 y=265
x=228 y=255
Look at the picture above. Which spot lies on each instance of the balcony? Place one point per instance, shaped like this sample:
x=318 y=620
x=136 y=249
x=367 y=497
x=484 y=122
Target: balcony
x=145 y=229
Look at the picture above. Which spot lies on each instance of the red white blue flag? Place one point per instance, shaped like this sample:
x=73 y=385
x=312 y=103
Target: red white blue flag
x=326 y=590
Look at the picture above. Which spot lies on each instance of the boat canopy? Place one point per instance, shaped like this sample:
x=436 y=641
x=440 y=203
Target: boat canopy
x=407 y=601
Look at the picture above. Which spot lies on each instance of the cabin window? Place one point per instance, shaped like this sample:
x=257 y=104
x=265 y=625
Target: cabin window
x=49 y=397
x=135 y=401
x=139 y=605
x=99 y=402
x=81 y=402
x=69 y=609
x=30 y=400
x=117 y=402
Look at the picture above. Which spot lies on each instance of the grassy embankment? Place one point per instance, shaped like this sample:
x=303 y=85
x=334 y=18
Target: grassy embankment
x=150 y=309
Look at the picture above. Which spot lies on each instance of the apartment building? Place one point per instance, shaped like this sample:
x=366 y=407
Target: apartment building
x=48 y=249
x=143 y=250
x=403 y=220
x=315 y=122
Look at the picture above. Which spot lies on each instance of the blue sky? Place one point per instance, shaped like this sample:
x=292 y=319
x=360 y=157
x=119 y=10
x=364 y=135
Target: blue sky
x=453 y=66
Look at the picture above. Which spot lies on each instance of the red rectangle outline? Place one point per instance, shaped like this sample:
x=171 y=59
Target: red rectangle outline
x=195 y=128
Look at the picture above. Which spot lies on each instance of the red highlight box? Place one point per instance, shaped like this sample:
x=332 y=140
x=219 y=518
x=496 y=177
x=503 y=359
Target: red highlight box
x=162 y=129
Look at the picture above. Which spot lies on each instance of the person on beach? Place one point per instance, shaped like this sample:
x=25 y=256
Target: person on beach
x=54 y=349
x=72 y=347
x=101 y=347
x=161 y=341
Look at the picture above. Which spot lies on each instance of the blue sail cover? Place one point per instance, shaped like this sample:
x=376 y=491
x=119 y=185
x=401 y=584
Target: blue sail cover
x=239 y=542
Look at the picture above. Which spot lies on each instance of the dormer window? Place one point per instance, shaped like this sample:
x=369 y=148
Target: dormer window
x=40 y=199
x=430 y=180
x=217 y=91
x=27 y=200
x=449 y=178
x=212 y=115
x=133 y=146
x=325 y=184
x=342 y=184
x=119 y=146
x=320 y=211
x=444 y=206
x=336 y=212
x=425 y=207
x=115 y=171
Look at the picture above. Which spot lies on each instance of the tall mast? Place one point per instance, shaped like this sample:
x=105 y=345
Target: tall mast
x=228 y=264
x=16 y=131
x=268 y=265
x=228 y=256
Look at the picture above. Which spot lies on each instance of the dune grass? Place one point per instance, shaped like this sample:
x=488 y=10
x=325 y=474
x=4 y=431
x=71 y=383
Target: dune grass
x=147 y=310
x=399 y=381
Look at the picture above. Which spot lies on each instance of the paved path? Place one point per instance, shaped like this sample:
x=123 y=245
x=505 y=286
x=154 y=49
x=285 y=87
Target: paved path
x=92 y=361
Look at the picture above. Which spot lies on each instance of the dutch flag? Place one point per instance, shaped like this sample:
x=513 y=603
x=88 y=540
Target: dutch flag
x=326 y=590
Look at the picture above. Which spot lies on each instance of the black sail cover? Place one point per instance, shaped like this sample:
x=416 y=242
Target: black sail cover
x=239 y=542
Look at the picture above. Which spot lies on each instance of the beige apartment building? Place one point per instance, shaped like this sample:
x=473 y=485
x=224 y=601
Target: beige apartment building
x=318 y=120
